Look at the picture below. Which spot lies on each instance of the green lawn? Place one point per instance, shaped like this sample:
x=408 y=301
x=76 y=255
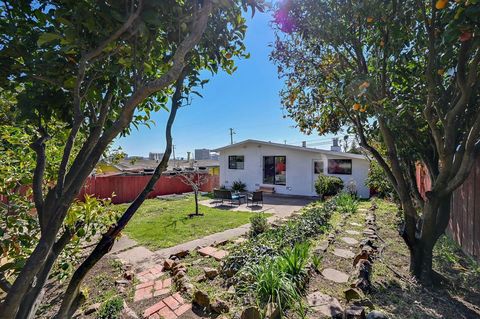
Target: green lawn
x=165 y=223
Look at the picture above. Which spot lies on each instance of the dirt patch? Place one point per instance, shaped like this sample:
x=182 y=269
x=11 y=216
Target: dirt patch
x=456 y=295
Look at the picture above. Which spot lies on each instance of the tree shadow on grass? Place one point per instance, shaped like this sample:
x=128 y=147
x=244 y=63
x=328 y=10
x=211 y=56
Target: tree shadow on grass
x=413 y=301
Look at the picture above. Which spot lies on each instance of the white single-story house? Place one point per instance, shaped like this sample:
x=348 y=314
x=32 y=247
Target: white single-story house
x=290 y=169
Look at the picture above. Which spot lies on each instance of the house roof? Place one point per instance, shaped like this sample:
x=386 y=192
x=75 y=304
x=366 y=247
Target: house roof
x=142 y=164
x=293 y=147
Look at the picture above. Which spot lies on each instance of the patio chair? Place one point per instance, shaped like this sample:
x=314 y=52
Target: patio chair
x=255 y=197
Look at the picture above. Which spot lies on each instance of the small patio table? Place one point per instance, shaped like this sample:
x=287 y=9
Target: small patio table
x=239 y=197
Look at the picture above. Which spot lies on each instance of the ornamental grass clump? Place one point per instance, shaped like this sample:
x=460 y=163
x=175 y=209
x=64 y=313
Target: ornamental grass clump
x=280 y=280
x=346 y=203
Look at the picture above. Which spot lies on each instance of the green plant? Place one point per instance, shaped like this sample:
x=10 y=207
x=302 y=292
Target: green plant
x=346 y=203
x=271 y=243
x=316 y=261
x=239 y=186
x=294 y=261
x=269 y=283
x=378 y=182
x=111 y=309
x=328 y=185
x=258 y=224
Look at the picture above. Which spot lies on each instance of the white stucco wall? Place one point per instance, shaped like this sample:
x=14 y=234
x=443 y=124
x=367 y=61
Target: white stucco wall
x=300 y=175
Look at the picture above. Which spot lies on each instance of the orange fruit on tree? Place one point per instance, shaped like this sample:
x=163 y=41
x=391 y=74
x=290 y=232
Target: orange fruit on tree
x=370 y=19
x=441 y=71
x=441 y=4
x=356 y=106
x=228 y=55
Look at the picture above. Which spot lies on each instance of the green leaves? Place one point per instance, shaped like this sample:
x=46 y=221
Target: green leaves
x=47 y=38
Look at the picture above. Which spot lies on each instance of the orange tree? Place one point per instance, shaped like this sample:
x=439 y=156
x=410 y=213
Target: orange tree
x=404 y=73
x=96 y=68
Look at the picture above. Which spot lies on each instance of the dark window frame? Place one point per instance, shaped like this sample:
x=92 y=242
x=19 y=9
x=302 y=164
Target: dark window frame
x=275 y=182
x=233 y=161
x=322 y=167
x=347 y=171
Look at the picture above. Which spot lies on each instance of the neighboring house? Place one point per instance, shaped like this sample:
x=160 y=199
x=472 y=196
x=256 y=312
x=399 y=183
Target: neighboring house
x=147 y=166
x=290 y=169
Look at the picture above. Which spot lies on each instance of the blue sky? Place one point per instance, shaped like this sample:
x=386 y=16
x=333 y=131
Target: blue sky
x=247 y=101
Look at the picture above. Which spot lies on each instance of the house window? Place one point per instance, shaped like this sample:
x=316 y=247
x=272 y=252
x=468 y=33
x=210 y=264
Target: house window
x=340 y=166
x=236 y=162
x=317 y=167
x=275 y=170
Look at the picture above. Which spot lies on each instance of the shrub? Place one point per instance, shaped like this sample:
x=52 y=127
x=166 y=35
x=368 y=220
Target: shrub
x=111 y=309
x=328 y=185
x=258 y=224
x=239 y=186
x=346 y=203
x=316 y=260
x=378 y=182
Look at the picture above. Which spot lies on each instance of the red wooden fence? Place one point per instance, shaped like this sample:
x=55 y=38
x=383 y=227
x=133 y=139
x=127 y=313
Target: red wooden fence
x=126 y=188
x=464 y=226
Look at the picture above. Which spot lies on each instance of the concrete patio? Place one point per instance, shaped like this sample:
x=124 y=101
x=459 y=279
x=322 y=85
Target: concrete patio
x=279 y=205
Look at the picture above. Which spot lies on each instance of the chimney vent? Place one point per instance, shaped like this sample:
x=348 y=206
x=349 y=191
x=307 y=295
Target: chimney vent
x=304 y=144
x=335 y=147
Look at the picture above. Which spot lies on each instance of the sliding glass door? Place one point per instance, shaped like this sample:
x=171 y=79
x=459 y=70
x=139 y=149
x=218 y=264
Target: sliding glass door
x=275 y=170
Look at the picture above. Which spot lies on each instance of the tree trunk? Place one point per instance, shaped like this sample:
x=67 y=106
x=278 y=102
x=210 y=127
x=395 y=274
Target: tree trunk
x=72 y=298
x=433 y=223
x=196 y=202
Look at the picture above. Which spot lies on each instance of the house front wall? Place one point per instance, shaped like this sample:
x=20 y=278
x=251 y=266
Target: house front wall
x=300 y=177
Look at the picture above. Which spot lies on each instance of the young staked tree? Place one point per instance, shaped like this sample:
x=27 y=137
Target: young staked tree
x=97 y=67
x=195 y=179
x=404 y=73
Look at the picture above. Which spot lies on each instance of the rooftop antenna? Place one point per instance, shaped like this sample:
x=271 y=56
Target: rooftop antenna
x=231 y=135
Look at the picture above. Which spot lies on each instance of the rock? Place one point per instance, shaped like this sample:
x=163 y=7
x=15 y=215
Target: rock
x=129 y=275
x=353 y=294
x=321 y=248
x=181 y=253
x=344 y=253
x=168 y=264
x=354 y=312
x=376 y=315
x=231 y=290
x=92 y=308
x=201 y=299
x=219 y=306
x=326 y=305
x=180 y=274
x=350 y=240
x=363 y=255
x=250 y=313
x=272 y=311
x=188 y=288
x=127 y=312
x=200 y=278
x=210 y=273
x=335 y=275
x=122 y=282
x=352 y=232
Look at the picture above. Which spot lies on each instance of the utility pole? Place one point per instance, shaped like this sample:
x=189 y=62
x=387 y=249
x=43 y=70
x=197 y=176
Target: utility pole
x=173 y=150
x=231 y=135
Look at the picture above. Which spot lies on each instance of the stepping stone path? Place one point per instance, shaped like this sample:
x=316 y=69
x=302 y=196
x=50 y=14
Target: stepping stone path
x=170 y=307
x=150 y=274
x=350 y=240
x=352 y=232
x=325 y=304
x=152 y=288
x=344 y=253
x=210 y=251
x=335 y=275
x=355 y=224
